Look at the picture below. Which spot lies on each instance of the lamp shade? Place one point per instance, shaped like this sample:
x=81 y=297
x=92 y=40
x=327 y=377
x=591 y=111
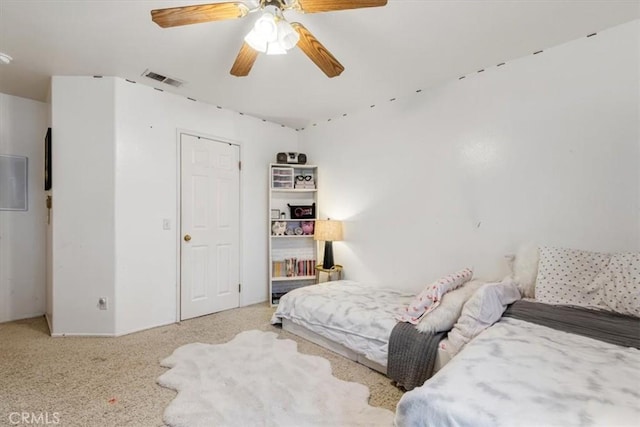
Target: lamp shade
x=256 y=42
x=287 y=36
x=272 y=34
x=264 y=31
x=266 y=27
x=275 y=49
x=328 y=230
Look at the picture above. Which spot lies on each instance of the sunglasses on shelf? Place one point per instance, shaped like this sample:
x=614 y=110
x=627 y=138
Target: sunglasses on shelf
x=304 y=177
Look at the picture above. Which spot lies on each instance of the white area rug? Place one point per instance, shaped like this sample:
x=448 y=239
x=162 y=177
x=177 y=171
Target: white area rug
x=258 y=380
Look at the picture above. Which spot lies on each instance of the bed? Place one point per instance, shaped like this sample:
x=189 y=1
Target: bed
x=519 y=373
x=566 y=355
x=347 y=317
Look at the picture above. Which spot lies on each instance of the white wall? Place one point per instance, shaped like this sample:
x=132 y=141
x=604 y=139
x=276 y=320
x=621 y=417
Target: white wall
x=131 y=131
x=146 y=192
x=544 y=149
x=83 y=214
x=23 y=125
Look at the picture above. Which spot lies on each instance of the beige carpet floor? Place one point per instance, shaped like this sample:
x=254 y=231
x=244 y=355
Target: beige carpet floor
x=81 y=381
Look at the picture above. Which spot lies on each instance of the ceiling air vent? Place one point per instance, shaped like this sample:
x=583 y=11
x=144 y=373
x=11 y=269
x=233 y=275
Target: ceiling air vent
x=164 y=79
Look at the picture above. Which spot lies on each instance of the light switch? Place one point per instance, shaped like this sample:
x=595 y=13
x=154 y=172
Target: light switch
x=166 y=224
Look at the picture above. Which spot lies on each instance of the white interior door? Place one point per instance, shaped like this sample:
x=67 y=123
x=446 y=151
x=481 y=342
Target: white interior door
x=210 y=229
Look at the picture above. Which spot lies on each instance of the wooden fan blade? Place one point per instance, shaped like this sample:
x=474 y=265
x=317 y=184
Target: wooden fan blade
x=313 y=6
x=175 y=16
x=244 y=61
x=317 y=52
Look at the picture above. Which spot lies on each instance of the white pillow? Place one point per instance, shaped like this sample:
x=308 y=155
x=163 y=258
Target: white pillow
x=590 y=279
x=482 y=310
x=566 y=276
x=443 y=317
x=431 y=296
x=619 y=284
x=525 y=269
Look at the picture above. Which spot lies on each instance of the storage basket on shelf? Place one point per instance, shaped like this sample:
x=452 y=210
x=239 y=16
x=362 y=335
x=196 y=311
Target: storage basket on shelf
x=302 y=211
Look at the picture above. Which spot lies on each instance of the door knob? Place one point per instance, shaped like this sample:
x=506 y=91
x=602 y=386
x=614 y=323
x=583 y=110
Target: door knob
x=187 y=237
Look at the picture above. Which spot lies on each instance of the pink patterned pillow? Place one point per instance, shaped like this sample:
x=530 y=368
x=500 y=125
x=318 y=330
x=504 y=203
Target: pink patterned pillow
x=431 y=296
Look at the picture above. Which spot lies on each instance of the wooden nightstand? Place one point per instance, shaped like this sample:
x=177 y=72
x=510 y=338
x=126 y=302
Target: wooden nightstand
x=330 y=271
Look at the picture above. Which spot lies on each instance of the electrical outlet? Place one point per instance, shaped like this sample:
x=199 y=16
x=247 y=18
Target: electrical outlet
x=102 y=303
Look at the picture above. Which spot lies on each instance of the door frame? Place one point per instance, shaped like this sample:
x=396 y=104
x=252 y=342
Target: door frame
x=178 y=225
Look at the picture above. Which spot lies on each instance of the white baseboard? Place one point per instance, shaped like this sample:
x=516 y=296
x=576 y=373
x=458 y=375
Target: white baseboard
x=82 y=335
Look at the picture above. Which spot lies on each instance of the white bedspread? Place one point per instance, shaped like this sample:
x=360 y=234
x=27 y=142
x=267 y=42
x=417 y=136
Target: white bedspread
x=517 y=373
x=360 y=317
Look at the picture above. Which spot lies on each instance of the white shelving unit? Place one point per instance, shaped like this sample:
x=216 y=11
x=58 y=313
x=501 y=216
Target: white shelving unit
x=292 y=255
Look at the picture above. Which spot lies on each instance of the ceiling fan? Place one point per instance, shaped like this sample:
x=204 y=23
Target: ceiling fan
x=272 y=33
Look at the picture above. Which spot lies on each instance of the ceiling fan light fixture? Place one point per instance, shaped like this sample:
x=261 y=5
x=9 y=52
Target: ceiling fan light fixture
x=266 y=27
x=256 y=42
x=287 y=36
x=272 y=34
x=275 y=49
x=263 y=37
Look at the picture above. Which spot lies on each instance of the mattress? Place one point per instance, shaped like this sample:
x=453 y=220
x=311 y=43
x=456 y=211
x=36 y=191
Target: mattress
x=518 y=373
x=353 y=315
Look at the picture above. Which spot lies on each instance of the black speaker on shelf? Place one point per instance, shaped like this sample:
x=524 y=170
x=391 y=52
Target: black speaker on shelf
x=291 y=158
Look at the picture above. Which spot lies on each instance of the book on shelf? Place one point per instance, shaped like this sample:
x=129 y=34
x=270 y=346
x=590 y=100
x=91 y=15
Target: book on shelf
x=306 y=267
x=292 y=267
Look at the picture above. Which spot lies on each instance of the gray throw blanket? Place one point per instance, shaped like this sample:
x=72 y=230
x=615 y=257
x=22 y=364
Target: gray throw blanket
x=412 y=355
x=597 y=324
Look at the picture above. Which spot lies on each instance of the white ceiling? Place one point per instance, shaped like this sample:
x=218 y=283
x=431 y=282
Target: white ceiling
x=387 y=51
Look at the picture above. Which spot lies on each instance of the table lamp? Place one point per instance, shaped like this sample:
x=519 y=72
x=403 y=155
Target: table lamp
x=329 y=231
